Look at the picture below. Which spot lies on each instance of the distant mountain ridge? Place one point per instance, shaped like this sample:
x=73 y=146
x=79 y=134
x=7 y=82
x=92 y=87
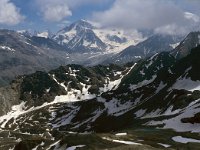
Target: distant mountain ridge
x=23 y=54
x=150 y=46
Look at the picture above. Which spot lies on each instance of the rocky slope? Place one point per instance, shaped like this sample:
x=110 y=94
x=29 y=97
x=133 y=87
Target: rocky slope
x=23 y=54
x=184 y=48
x=152 y=45
x=50 y=110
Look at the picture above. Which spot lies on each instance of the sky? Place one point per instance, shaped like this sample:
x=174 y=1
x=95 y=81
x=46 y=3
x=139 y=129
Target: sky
x=162 y=16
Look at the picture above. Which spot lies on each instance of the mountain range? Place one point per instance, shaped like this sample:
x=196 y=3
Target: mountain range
x=79 y=43
x=152 y=102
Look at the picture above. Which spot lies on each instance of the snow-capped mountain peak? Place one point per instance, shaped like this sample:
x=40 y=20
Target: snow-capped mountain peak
x=84 y=36
x=82 y=24
x=79 y=37
x=25 y=32
x=77 y=26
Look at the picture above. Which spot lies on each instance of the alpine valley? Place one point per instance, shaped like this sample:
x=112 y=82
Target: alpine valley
x=91 y=88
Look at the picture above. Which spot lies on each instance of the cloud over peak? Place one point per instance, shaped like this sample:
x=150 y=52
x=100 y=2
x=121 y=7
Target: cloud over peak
x=146 y=14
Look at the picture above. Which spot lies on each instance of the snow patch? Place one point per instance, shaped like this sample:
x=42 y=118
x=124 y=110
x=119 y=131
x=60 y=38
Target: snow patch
x=94 y=45
x=174 y=45
x=113 y=85
x=160 y=87
x=123 y=142
x=121 y=134
x=74 y=147
x=115 y=107
x=86 y=43
x=184 y=140
x=16 y=111
x=126 y=142
x=141 y=84
x=36 y=147
x=186 y=84
x=7 y=48
x=175 y=122
x=151 y=61
x=152 y=114
x=74 y=95
x=56 y=144
x=43 y=34
x=65 y=120
x=140 y=113
x=164 y=145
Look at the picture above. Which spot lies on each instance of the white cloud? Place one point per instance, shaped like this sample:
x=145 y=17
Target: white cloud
x=192 y=17
x=76 y=3
x=58 y=10
x=192 y=24
x=54 y=10
x=147 y=14
x=9 y=13
x=171 y=29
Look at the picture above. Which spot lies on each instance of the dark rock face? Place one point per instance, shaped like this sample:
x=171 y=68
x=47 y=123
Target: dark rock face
x=184 y=48
x=34 y=89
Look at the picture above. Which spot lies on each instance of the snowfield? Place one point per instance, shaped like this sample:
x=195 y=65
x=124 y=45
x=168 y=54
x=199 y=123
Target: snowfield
x=175 y=122
x=184 y=140
x=186 y=84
